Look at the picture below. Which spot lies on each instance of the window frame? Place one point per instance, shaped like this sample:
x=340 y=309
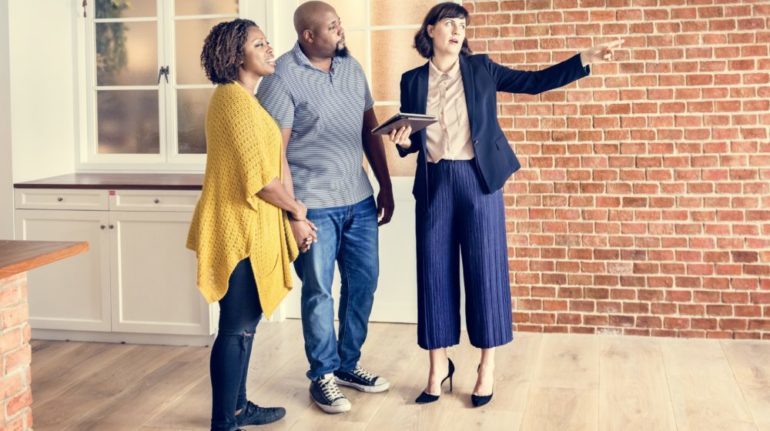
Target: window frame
x=168 y=158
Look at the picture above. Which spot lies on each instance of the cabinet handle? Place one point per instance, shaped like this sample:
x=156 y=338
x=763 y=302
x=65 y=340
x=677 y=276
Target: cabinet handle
x=157 y=201
x=60 y=199
x=112 y=226
x=102 y=227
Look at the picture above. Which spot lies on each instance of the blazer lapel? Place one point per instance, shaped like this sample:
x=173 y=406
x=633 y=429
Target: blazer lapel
x=470 y=90
x=421 y=104
x=420 y=107
x=421 y=101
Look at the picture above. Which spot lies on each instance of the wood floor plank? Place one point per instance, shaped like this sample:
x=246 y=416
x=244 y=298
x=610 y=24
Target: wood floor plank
x=52 y=378
x=568 y=361
x=151 y=393
x=48 y=355
x=750 y=363
x=704 y=393
x=190 y=410
x=632 y=386
x=561 y=409
x=543 y=382
x=103 y=387
x=564 y=390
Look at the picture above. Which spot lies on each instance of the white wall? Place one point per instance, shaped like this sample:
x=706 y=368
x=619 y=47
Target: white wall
x=41 y=63
x=6 y=175
x=280 y=20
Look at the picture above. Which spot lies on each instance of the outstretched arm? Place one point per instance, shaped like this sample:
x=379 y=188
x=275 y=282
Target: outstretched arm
x=558 y=75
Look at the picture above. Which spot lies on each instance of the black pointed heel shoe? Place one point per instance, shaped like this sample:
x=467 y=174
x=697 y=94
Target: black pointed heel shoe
x=426 y=398
x=480 y=400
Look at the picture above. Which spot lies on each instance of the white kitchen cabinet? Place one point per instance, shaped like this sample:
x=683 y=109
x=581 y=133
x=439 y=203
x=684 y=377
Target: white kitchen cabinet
x=153 y=276
x=71 y=294
x=137 y=278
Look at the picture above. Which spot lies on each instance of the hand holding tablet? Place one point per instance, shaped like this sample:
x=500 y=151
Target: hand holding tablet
x=416 y=121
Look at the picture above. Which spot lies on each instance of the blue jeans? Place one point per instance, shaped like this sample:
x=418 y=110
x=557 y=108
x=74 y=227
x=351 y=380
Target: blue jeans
x=347 y=235
x=239 y=313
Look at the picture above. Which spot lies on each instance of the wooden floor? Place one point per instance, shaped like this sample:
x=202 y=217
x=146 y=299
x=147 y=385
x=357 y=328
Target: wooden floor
x=544 y=382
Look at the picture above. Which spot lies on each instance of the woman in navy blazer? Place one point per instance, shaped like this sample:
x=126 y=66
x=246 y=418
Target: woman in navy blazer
x=463 y=162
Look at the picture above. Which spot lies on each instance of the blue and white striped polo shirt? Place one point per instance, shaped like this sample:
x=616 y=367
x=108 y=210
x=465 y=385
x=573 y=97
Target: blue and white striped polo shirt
x=325 y=112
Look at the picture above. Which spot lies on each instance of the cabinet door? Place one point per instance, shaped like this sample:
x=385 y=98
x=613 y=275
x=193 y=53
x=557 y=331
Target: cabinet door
x=72 y=294
x=154 y=286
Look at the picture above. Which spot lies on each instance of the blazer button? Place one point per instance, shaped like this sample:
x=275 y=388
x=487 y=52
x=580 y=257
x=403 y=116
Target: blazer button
x=475 y=142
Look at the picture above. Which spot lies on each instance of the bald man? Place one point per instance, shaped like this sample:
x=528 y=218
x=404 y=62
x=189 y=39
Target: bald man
x=321 y=100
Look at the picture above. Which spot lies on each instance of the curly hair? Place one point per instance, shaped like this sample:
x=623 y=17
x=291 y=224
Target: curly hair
x=423 y=43
x=222 y=52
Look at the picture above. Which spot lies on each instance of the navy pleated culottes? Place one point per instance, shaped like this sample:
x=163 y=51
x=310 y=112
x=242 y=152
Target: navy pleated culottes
x=459 y=217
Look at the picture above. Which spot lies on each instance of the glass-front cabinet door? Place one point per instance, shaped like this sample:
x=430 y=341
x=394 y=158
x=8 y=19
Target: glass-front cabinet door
x=127 y=98
x=148 y=93
x=192 y=22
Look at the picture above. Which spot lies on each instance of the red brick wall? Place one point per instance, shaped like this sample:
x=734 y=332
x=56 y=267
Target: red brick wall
x=643 y=204
x=15 y=355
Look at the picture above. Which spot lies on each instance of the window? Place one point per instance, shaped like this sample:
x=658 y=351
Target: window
x=146 y=93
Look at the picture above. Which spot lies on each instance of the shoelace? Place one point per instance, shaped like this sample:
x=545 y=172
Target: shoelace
x=330 y=389
x=361 y=372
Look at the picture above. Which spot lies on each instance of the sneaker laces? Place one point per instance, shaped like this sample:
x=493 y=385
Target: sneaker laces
x=329 y=388
x=364 y=374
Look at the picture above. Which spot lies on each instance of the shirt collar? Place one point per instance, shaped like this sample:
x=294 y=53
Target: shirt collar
x=452 y=73
x=302 y=59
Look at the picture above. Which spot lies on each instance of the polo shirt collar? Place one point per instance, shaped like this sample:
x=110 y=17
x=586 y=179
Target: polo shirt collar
x=302 y=59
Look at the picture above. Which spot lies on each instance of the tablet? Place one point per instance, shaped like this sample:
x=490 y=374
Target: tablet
x=417 y=121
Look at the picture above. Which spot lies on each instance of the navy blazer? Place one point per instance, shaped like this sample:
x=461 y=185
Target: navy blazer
x=482 y=79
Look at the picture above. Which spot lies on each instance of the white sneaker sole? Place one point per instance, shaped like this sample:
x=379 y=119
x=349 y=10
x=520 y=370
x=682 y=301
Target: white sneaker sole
x=332 y=409
x=362 y=388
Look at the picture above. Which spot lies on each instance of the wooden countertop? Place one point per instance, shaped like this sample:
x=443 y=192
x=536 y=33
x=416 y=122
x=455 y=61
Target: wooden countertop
x=21 y=256
x=117 y=181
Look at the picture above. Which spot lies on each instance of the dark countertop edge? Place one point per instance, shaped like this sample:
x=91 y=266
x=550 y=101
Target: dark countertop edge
x=106 y=186
x=28 y=255
x=123 y=181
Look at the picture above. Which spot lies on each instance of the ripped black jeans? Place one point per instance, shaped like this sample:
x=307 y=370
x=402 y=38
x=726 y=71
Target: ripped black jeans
x=239 y=313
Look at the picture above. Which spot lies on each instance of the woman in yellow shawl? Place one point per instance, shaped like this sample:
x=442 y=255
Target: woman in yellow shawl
x=240 y=231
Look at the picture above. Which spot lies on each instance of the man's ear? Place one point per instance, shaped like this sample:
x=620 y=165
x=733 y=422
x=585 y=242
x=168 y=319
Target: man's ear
x=307 y=36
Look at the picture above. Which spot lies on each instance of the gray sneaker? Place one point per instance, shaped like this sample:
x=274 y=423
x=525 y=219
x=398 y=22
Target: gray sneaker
x=362 y=380
x=327 y=395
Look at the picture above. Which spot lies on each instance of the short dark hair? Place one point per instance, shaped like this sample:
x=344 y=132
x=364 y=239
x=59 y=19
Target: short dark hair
x=222 y=53
x=423 y=42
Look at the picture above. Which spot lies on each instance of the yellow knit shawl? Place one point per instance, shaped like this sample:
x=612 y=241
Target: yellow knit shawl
x=231 y=223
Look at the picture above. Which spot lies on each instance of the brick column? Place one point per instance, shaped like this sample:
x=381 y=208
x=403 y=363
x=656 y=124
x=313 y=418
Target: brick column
x=15 y=355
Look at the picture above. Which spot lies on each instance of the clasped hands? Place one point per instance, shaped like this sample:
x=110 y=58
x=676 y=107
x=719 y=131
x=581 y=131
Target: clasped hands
x=304 y=231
